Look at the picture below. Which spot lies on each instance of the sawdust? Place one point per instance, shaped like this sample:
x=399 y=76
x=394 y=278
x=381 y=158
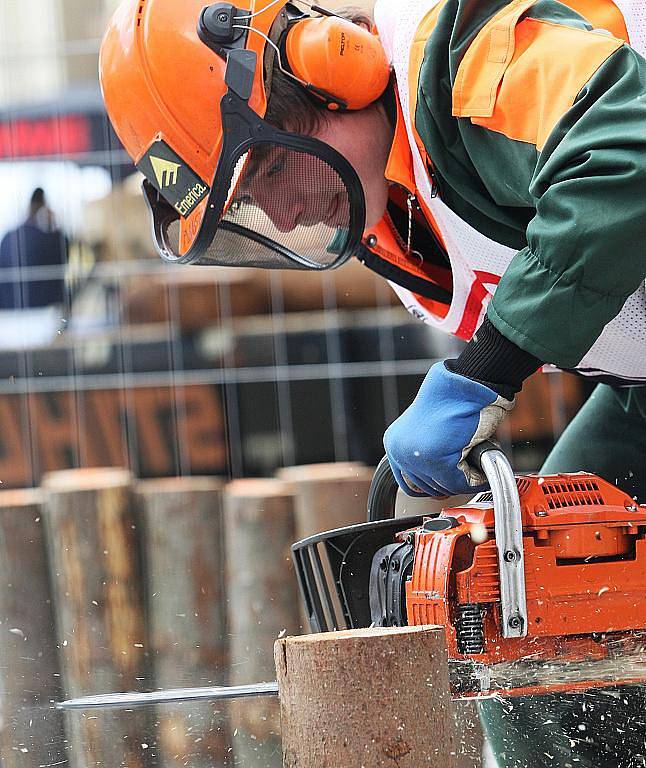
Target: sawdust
x=625 y=664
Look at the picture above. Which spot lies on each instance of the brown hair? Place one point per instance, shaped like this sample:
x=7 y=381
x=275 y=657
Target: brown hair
x=289 y=104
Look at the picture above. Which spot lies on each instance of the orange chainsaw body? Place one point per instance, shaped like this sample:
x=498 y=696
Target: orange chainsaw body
x=584 y=545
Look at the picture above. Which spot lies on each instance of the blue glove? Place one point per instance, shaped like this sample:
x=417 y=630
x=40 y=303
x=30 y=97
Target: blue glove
x=428 y=444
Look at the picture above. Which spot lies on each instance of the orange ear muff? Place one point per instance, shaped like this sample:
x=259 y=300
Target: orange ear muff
x=339 y=58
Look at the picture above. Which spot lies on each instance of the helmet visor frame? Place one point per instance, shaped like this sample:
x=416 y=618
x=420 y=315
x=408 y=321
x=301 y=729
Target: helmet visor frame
x=243 y=132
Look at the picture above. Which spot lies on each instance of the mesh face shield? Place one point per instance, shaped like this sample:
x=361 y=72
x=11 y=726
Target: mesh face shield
x=278 y=200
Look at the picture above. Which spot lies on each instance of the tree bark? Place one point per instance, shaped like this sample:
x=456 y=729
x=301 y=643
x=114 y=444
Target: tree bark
x=32 y=731
x=184 y=555
x=93 y=540
x=366 y=698
x=263 y=604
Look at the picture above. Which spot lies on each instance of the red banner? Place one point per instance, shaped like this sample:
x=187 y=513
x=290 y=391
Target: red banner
x=36 y=137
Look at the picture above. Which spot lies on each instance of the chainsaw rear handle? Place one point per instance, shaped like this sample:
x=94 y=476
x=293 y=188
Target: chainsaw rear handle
x=491 y=460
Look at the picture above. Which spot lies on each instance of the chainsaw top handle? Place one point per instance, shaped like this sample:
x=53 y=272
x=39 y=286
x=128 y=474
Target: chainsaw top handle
x=491 y=460
x=383 y=488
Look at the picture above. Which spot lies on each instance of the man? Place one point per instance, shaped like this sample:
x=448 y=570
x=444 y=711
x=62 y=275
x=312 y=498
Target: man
x=506 y=155
x=37 y=242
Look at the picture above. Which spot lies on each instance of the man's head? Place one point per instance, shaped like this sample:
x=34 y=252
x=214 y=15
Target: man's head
x=232 y=179
x=362 y=136
x=280 y=182
x=38 y=214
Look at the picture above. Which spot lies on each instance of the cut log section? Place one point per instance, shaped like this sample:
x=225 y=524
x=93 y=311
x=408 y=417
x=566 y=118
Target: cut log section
x=263 y=605
x=31 y=731
x=328 y=495
x=93 y=539
x=366 y=698
x=184 y=555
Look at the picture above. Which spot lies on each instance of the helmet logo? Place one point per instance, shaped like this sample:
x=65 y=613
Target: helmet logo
x=172 y=177
x=165 y=171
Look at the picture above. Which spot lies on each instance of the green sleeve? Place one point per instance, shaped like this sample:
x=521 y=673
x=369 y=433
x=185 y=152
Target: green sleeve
x=586 y=245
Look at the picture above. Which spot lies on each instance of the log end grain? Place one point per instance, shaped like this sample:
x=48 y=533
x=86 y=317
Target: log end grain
x=325 y=471
x=90 y=478
x=257 y=488
x=195 y=483
x=23 y=497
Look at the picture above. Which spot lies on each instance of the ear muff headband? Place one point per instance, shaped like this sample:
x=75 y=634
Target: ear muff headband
x=338 y=58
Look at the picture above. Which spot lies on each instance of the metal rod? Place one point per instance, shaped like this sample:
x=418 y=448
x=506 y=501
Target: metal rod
x=134 y=699
x=83 y=382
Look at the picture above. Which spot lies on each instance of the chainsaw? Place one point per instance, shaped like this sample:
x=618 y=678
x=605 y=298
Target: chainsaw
x=539 y=583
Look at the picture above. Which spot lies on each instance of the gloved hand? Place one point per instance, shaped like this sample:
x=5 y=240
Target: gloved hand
x=427 y=445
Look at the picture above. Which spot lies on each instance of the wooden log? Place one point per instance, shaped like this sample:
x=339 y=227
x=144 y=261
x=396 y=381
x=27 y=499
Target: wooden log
x=328 y=495
x=406 y=506
x=32 y=732
x=366 y=698
x=184 y=555
x=93 y=538
x=263 y=604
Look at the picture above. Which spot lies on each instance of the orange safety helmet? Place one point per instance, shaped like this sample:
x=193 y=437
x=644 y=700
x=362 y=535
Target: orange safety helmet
x=185 y=87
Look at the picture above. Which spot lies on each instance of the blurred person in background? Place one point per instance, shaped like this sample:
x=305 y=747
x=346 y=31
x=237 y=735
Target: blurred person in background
x=487 y=158
x=37 y=242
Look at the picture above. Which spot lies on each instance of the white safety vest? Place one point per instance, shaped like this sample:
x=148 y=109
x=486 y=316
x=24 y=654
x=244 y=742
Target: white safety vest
x=477 y=262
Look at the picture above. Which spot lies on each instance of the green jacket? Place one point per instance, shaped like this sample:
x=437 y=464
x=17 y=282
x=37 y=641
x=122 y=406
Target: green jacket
x=557 y=170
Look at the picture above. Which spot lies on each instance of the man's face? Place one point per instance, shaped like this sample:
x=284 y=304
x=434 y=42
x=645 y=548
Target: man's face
x=364 y=138
x=296 y=189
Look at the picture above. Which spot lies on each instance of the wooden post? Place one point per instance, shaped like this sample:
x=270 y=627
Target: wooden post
x=328 y=495
x=93 y=540
x=366 y=698
x=263 y=605
x=32 y=731
x=184 y=554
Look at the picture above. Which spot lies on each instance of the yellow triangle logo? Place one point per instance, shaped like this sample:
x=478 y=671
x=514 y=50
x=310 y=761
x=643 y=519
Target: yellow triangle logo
x=165 y=171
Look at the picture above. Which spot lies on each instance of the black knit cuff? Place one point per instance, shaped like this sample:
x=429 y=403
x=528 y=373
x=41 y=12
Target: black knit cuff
x=493 y=360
